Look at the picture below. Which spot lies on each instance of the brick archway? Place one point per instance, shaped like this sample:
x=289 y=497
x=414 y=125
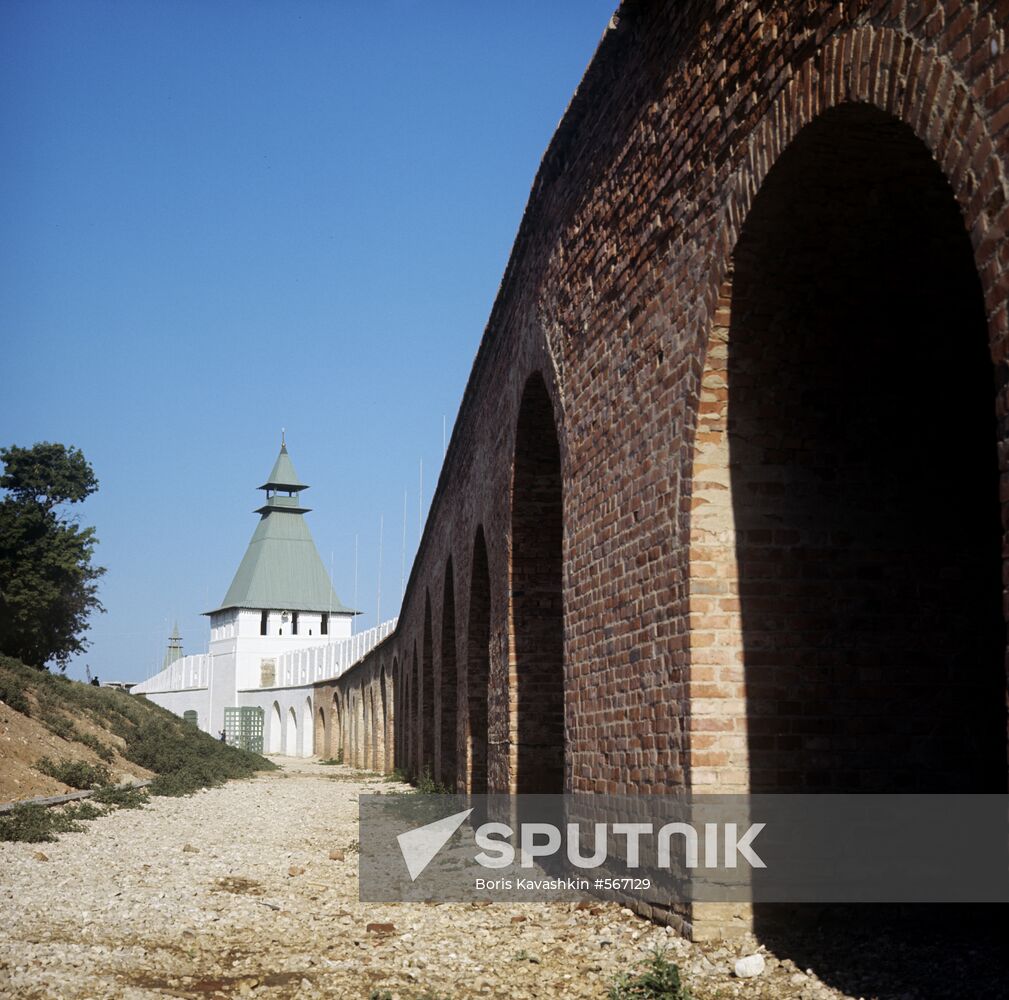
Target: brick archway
x=536 y=697
x=846 y=631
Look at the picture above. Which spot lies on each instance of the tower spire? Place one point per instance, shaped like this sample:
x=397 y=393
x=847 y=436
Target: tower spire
x=282 y=569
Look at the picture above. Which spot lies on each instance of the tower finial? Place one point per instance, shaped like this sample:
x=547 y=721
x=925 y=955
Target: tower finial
x=283 y=437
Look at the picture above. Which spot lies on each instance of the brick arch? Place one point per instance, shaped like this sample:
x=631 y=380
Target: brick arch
x=413 y=715
x=387 y=721
x=375 y=733
x=426 y=699
x=323 y=735
x=337 y=716
x=477 y=668
x=398 y=702
x=536 y=698
x=897 y=74
x=821 y=657
x=447 y=684
x=930 y=96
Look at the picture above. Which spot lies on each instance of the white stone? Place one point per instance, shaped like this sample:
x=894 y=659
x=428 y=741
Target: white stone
x=749 y=966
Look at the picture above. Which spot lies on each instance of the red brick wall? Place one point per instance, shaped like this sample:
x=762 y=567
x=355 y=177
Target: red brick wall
x=623 y=293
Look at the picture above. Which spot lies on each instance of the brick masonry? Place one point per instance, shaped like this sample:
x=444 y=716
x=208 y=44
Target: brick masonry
x=752 y=350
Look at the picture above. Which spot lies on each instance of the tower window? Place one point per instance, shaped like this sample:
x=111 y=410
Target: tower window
x=324 y=626
x=294 y=623
x=264 y=620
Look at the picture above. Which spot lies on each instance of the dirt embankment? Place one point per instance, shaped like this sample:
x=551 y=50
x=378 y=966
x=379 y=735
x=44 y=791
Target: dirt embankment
x=24 y=740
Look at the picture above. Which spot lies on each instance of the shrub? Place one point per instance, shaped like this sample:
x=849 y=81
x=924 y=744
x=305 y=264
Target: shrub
x=123 y=797
x=28 y=824
x=658 y=979
x=85 y=810
x=75 y=773
x=186 y=759
x=426 y=785
x=34 y=824
x=12 y=692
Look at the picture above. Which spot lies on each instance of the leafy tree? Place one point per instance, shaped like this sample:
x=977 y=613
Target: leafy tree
x=48 y=586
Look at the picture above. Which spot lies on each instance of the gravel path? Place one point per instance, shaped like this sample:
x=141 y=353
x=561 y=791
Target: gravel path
x=233 y=892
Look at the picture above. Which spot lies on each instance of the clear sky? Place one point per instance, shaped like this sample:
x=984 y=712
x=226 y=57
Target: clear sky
x=221 y=218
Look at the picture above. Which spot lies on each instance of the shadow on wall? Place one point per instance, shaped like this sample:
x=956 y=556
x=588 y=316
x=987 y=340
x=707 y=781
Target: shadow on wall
x=537 y=612
x=865 y=493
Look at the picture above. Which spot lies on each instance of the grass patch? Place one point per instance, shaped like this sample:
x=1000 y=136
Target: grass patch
x=658 y=979
x=338 y=759
x=104 y=751
x=75 y=773
x=58 y=724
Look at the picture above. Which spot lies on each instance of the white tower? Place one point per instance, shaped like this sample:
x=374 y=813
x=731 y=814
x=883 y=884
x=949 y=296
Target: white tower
x=281 y=598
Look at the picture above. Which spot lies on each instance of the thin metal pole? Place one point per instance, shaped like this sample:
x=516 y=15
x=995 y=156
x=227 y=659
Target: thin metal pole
x=420 y=503
x=381 y=529
x=355 y=583
x=402 y=565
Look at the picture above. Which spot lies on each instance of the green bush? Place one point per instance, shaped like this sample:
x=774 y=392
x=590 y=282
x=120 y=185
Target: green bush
x=75 y=773
x=426 y=785
x=29 y=824
x=658 y=979
x=123 y=797
x=12 y=691
x=186 y=759
x=85 y=810
x=34 y=824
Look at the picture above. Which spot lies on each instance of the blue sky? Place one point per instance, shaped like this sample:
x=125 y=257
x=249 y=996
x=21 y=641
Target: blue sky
x=223 y=218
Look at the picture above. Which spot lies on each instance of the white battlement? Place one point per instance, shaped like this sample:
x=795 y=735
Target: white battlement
x=296 y=668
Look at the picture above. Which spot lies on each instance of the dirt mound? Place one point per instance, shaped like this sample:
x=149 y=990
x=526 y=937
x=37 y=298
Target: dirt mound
x=51 y=719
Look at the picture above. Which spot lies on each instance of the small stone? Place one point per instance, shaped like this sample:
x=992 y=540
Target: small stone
x=518 y=919
x=749 y=966
x=336 y=855
x=295 y=870
x=376 y=928
x=189 y=849
x=39 y=856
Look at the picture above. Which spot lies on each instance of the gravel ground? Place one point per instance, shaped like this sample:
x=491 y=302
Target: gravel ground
x=233 y=892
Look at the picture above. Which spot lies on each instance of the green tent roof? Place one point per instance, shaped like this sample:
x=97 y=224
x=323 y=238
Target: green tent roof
x=281 y=569
x=283 y=476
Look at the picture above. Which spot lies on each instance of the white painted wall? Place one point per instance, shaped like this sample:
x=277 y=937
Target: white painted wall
x=230 y=674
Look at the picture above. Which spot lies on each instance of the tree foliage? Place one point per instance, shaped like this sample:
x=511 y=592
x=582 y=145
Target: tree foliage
x=48 y=586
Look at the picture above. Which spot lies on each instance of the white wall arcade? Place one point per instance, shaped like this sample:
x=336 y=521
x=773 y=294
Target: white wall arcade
x=251 y=670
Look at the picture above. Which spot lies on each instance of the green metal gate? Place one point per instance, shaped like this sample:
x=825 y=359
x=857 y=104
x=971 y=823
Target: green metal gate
x=191 y=717
x=243 y=728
